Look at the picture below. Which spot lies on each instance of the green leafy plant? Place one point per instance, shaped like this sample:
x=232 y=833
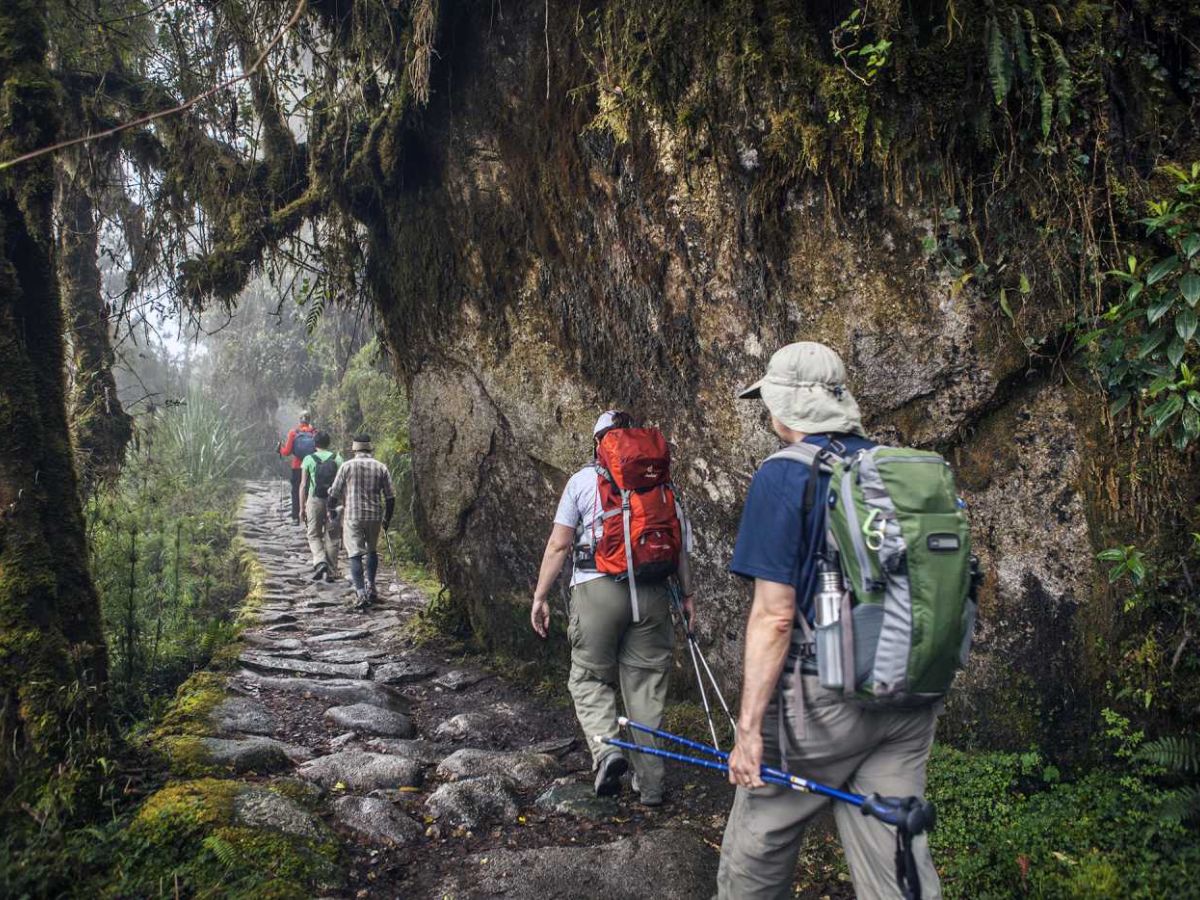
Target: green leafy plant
x=1144 y=347
x=1128 y=561
x=847 y=40
x=1023 y=57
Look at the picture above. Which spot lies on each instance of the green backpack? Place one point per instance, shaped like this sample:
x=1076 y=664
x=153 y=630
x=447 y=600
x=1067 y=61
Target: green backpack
x=905 y=602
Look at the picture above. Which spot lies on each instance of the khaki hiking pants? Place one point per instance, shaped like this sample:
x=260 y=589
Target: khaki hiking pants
x=323 y=535
x=847 y=747
x=607 y=649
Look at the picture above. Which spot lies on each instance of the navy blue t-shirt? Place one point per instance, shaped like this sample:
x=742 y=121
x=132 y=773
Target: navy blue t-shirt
x=773 y=538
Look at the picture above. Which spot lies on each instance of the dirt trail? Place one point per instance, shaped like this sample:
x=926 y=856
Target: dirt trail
x=444 y=780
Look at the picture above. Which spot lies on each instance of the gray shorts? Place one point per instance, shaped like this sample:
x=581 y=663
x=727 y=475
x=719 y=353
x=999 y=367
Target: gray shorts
x=360 y=537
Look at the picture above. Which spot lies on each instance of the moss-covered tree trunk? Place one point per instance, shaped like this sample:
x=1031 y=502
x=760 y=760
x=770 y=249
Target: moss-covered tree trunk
x=99 y=424
x=53 y=719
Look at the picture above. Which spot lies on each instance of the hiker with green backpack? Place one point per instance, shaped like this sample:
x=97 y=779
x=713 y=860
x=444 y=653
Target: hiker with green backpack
x=863 y=611
x=324 y=528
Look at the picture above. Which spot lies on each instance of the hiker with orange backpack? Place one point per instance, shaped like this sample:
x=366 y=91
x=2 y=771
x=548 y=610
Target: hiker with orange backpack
x=621 y=519
x=300 y=443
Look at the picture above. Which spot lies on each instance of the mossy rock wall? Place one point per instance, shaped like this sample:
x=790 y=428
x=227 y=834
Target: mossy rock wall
x=640 y=217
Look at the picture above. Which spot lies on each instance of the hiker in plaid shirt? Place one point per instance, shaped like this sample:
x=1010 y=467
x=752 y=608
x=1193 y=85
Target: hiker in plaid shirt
x=363 y=490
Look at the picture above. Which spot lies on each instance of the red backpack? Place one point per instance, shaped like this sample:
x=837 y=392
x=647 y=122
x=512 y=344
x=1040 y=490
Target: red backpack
x=634 y=487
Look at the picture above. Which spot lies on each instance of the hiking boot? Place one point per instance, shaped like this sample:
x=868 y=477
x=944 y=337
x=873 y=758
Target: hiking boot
x=372 y=595
x=295 y=521
x=320 y=572
x=608 y=774
x=331 y=576
x=360 y=600
x=648 y=798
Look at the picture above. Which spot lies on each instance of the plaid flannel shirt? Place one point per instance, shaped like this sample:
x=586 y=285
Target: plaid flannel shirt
x=361 y=485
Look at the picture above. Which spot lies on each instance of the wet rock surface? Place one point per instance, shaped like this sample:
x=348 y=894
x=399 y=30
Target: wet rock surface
x=422 y=777
x=527 y=770
x=362 y=771
x=474 y=802
x=376 y=819
x=365 y=718
x=260 y=808
x=670 y=863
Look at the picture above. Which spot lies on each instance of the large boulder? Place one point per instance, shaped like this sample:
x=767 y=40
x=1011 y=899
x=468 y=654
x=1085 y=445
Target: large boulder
x=367 y=718
x=377 y=820
x=527 y=770
x=359 y=770
x=474 y=802
x=667 y=864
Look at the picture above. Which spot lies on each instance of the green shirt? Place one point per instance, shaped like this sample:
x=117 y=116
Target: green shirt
x=309 y=465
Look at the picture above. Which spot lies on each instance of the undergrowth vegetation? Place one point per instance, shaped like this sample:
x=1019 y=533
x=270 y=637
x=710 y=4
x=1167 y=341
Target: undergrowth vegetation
x=164 y=554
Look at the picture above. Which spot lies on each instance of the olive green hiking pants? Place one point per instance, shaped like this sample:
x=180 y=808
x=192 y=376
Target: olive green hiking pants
x=609 y=649
x=323 y=536
x=847 y=747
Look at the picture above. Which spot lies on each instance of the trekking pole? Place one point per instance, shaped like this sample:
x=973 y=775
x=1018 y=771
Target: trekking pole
x=914 y=813
x=712 y=728
x=698 y=654
x=910 y=816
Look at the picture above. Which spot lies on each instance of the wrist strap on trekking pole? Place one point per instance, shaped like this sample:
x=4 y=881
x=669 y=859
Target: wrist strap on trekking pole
x=910 y=816
x=907 y=877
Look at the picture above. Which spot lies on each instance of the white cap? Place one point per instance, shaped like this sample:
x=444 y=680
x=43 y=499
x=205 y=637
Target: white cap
x=607 y=419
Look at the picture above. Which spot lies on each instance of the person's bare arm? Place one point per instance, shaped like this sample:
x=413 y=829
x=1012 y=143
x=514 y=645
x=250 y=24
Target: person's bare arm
x=557 y=548
x=768 y=634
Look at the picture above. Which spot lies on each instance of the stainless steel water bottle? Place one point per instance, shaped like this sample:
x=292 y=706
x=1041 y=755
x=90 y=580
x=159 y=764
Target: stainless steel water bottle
x=827 y=606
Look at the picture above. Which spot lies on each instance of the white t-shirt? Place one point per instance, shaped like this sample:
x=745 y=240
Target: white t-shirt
x=580 y=505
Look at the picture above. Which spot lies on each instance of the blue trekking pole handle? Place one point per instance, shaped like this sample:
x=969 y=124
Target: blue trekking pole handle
x=779 y=775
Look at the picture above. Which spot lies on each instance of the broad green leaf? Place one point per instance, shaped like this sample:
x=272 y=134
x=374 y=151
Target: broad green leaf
x=1137 y=569
x=1135 y=291
x=1185 y=323
x=1189 y=286
x=1132 y=261
x=1191 y=422
x=1112 y=554
x=1119 y=404
x=1193 y=398
x=1152 y=342
x=1191 y=246
x=1162 y=269
x=1024 y=285
x=1159 y=384
x=1161 y=413
x=1175 y=351
x=1008 y=309
x=1160 y=308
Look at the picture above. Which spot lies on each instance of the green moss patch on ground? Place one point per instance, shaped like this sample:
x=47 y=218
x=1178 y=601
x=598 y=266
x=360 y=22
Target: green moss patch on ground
x=185 y=840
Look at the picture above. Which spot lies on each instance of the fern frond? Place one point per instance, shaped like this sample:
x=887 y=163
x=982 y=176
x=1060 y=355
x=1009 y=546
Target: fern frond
x=315 y=311
x=999 y=61
x=1016 y=35
x=1174 y=753
x=1181 y=805
x=1064 y=84
x=224 y=851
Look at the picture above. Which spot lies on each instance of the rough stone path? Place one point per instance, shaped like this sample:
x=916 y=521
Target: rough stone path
x=445 y=780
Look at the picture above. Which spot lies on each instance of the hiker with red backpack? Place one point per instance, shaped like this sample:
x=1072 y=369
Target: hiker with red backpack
x=324 y=528
x=621 y=519
x=301 y=441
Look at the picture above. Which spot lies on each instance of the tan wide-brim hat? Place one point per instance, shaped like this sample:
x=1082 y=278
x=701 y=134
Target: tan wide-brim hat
x=805 y=389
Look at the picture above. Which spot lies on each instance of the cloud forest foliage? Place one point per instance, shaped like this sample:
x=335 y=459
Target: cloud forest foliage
x=1054 y=143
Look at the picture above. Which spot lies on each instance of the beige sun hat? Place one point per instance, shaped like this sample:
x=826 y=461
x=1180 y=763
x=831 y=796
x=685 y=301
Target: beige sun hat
x=805 y=389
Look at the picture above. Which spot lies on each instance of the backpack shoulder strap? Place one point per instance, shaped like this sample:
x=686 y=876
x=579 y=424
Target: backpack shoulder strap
x=800 y=452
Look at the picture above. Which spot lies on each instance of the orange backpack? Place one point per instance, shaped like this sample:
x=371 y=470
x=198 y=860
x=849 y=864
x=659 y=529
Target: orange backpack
x=634 y=483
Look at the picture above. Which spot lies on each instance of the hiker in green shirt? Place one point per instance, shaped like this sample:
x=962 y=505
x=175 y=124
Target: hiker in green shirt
x=324 y=529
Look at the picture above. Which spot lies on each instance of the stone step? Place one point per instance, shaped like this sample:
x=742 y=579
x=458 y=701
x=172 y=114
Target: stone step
x=304 y=666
